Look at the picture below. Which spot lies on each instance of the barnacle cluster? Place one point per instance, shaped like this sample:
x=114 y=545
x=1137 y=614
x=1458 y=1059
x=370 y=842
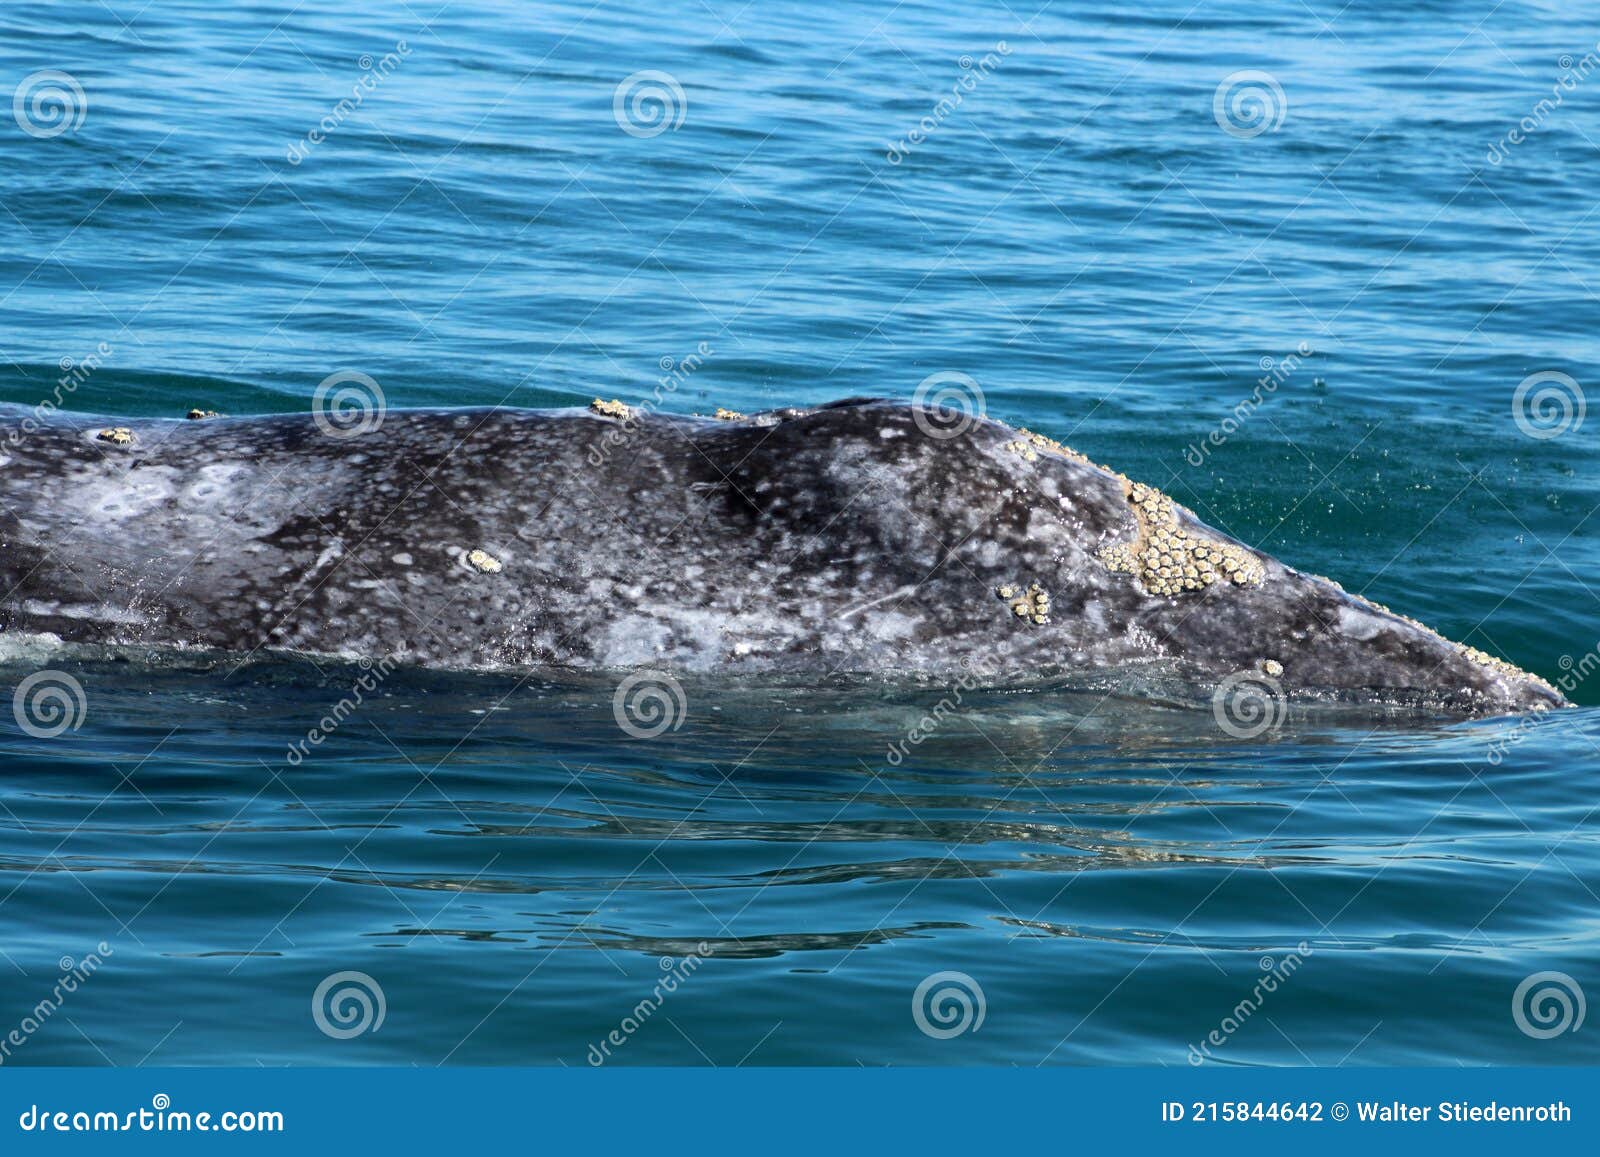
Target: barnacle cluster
x=483 y=562
x=1482 y=658
x=116 y=435
x=611 y=409
x=1036 y=442
x=1032 y=605
x=1167 y=559
x=1496 y=664
x=724 y=415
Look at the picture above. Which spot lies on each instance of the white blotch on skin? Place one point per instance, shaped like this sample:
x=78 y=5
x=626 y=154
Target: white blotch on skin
x=1358 y=624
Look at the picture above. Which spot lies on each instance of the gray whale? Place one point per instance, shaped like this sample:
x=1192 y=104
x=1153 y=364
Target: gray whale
x=862 y=537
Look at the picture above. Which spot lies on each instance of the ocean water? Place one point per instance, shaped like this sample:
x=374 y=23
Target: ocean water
x=1347 y=317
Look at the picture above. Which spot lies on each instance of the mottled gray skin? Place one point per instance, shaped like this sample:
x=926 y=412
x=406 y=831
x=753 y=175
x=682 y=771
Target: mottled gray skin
x=841 y=539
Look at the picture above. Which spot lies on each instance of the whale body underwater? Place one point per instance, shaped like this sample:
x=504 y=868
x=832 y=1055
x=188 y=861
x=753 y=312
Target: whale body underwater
x=864 y=537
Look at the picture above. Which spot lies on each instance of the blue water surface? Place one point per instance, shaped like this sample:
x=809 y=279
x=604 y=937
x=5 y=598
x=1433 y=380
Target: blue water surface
x=1291 y=263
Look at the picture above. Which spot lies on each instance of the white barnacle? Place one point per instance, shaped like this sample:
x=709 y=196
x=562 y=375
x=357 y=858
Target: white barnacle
x=611 y=409
x=483 y=562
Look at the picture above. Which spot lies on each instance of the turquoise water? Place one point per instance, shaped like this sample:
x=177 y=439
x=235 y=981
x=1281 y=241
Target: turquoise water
x=1084 y=239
